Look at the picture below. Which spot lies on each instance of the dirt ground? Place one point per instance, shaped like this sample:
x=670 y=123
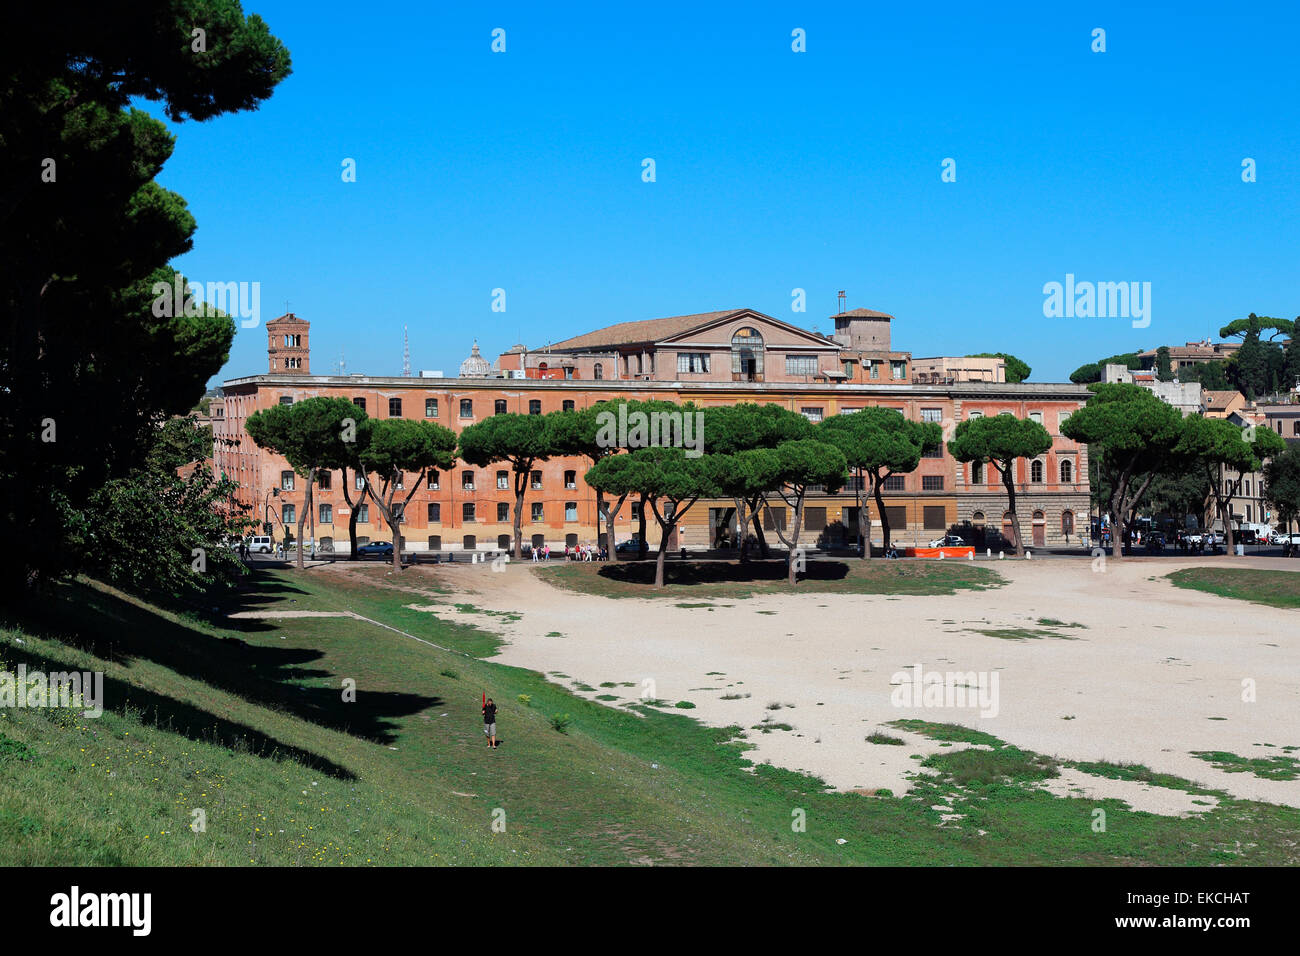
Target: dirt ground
x=1153 y=674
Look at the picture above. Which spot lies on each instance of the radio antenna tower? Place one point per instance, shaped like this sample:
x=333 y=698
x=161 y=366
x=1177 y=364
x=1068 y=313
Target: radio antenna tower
x=406 y=354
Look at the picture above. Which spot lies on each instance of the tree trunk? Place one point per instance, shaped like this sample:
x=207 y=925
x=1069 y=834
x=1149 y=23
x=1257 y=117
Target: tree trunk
x=518 y=529
x=755 y=505
x=352 y=514
x=302 y=515
x=792 y=573
x=885 y=531
x=603 y=517
x=641 y=542
x=742 y=529
x=395 y=526
x=1009 y=482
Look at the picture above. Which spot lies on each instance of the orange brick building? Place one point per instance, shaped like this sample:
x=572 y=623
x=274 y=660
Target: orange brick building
x=712 y=358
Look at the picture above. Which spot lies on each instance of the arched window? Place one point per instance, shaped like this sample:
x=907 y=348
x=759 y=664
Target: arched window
x=977 y=519
x=747 y=355
x=1038 y=516
x=1036 y=471
x=1067 y=473
x=1067 y=523
x=597 y=372
x=542 y=369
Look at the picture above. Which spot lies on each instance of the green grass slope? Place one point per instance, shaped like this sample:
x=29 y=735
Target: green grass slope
x=246 y=720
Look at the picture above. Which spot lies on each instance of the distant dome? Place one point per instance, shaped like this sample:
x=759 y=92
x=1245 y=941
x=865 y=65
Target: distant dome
x=476 y=365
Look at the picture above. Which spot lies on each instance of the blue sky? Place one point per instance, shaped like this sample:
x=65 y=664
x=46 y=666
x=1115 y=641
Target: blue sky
x=775 y=170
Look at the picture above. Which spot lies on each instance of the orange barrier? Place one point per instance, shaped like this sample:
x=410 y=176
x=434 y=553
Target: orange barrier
x=965 y=552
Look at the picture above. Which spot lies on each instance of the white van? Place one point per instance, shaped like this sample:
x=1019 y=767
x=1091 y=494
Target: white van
x=261 y=543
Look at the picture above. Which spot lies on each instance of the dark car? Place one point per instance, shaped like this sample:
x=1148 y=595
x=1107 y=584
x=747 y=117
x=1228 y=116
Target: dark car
x=376 y=547
x=632 y=546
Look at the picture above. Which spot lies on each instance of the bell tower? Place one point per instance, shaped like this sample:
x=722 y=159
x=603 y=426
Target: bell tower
x=287 y=346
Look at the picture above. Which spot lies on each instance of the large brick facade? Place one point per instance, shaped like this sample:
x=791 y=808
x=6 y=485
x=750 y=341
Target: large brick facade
x=938 y=495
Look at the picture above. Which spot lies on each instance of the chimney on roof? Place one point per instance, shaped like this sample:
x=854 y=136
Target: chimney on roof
x=843 y=297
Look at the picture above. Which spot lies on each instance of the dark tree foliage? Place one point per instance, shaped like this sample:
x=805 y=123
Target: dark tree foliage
x=87 y=370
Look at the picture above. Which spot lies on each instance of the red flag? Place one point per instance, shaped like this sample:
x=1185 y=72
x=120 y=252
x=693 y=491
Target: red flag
x=484 y=700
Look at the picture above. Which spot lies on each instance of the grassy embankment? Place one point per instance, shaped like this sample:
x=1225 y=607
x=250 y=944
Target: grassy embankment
x=246 y=721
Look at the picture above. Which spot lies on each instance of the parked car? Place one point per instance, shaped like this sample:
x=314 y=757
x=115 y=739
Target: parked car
x=632 y=546
x=376 y=547
x=949 y=541
x=261 y=543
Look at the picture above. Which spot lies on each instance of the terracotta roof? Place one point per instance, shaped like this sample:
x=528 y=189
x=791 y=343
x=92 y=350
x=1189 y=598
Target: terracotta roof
x=1218 y=401
x=646 y=330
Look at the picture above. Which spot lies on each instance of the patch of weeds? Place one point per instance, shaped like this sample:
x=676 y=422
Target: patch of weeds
x=735 y=696
x=450 y=673
x=560 y=723
x=1053 y=622
x=879 y=738
x=950 y=732
x=1266 y=768
x=684 y=705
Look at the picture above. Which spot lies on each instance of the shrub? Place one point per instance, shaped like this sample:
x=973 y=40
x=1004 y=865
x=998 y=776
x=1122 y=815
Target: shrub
x=560 y=722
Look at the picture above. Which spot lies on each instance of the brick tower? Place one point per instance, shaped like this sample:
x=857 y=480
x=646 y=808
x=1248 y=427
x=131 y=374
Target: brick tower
x=287 y=347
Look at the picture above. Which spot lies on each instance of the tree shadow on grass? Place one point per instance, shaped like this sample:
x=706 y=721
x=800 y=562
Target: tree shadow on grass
x=686 y=573
x=175 y=716
x=119 y=631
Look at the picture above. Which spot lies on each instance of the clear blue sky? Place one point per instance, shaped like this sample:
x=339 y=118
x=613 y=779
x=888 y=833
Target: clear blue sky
x=775 y=170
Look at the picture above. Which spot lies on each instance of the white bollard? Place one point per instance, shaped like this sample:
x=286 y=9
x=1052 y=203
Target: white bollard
x=1028 y=555
x=988 y=552
x=970 y=555
x=1001 y=555
x=941 y=555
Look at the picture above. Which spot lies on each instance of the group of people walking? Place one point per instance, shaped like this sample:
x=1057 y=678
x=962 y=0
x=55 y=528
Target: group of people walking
x=577 y=552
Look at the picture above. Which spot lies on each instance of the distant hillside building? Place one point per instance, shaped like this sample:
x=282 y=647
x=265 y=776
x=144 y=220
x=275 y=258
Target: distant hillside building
x=949 y=370
x=1190 y=354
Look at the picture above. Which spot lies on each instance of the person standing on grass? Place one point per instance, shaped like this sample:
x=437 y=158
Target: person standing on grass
x=490 y=720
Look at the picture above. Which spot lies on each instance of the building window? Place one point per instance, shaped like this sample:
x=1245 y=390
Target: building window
x=747 y=354
x=1067 y=523
x=286 y=481
x=430 y=408
x=435 y=479
x=1067 y=472
x=535 y=480
x=570 y=511
x=326 y=514
x=801 y=365
x=934 y=518
x=875 y=369
x=503 y=511
x=898 y=370
x=977 y=473
x=568 y=371
x=466 y=408
x=848 y=365
x=571 y=479
x=359 y=482
x=467 y=511
x=286 y=399
x=932 y=415
x=1036 y=471
x=894 y=483
x=503 y=481
x=568 y=405
x=323 y=479
x=288 y=515
x=932 y=482
x=933 y=452
x=434 y=513
x=598 y=372
x=812 y=413
x=538 y=511
x=692 y=363
x=394 y=408
x=636 y=511
x=534 y=406
x=977 y=519
x=363 y=514
x=467 y=480
x=975 y=414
